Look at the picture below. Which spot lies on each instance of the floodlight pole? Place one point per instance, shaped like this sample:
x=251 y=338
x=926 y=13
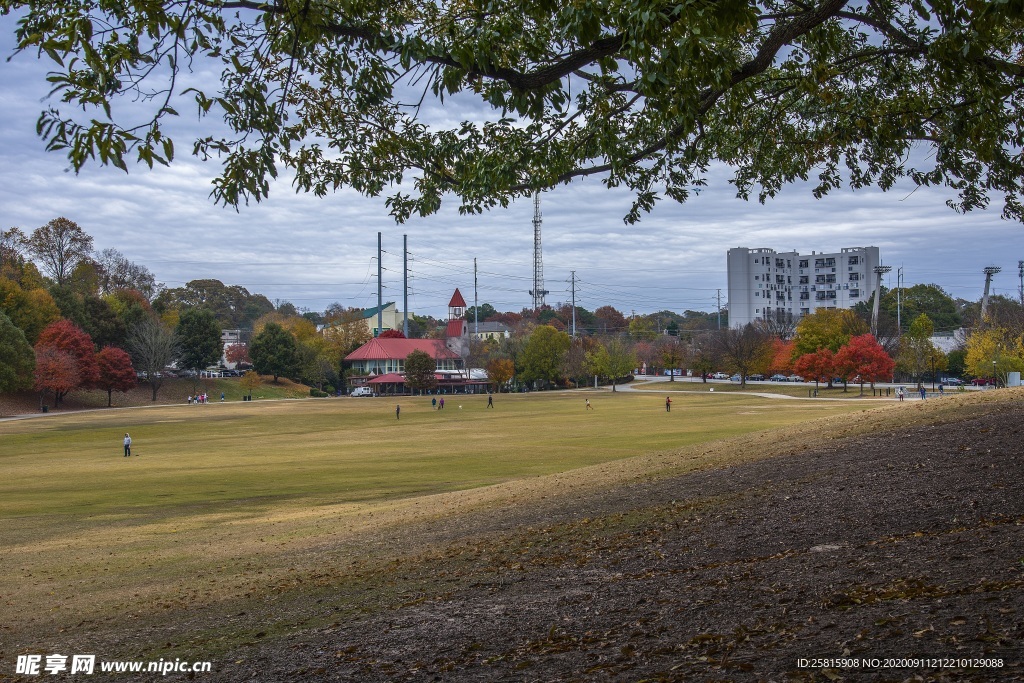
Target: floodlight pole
x=879 y=272
x=989 y=272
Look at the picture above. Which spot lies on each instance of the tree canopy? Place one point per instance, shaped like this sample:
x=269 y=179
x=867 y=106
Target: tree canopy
x=643 y=94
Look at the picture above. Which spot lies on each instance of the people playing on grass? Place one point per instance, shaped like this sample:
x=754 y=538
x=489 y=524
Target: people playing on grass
x=589 y=407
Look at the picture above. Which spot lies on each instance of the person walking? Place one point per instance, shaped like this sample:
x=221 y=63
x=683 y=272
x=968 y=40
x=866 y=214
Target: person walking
x=440 y=404
x=433 y=403
x=668 y=404
x=398 y=411
x=490 y=401
x=127 y=445
x=924 y=393
x=589 y=407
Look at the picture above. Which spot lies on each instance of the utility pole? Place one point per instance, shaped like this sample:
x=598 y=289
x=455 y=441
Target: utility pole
x=879 y=272
x=899 y=316
x=405 y=285
x=380 y=290
x=476 y=306
x=1020 y=272
x=719 y=309
x=574 y=301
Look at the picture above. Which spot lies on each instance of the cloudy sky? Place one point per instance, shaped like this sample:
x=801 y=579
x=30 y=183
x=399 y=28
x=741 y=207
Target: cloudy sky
x=313 y=251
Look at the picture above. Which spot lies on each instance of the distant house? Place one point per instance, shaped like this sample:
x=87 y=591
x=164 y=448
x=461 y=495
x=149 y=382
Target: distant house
x=489 y=331
x=390 y=318
x=382 y=356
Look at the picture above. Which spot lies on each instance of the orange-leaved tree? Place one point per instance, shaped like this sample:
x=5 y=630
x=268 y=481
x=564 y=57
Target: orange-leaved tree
x=820 y=365
x=115 y=371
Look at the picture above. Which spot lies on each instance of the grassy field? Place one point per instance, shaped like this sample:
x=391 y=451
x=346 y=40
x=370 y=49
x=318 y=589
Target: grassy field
x=226 y=500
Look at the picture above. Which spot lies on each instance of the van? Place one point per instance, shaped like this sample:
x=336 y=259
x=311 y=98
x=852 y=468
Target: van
x=362 y=391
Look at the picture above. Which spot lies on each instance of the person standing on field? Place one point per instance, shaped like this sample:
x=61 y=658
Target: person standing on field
x=490 y=401
x=127 y=445
x=668 y=404
x=398 y=411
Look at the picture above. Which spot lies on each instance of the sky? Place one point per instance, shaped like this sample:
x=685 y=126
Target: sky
x=316 y=251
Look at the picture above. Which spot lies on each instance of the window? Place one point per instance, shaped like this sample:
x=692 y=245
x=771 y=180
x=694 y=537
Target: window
x=804 y=263
x=854 y=277
x=854 y=293
x=804 y=279
x=854 y=260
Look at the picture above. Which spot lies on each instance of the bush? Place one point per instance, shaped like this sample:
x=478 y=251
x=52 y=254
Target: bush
x=328 y=389
x=316 y=393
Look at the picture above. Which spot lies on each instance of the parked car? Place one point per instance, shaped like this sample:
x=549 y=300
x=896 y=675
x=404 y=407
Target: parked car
x=796 y=378
x=755 y=378
x=720 y=375
x=362 y=391
x=983 y=382
x=735 y=378
x=779 y=378
x=952 y=381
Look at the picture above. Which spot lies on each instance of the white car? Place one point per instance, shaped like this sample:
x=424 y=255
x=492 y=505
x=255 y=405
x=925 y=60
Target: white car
x=362 y=391
x=719 y=375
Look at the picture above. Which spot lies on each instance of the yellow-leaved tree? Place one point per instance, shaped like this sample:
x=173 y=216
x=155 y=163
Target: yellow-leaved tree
x=994 y=352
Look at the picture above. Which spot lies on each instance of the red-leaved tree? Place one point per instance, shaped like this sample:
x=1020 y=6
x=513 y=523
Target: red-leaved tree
x=237 y=354
x=70 y=338
x=864 y=358
x=116 y=371
x=391 y=334
x=56 y=371
x=820 y=365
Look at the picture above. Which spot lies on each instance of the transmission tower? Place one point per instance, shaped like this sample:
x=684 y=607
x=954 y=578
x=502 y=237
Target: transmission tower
x=538 y=292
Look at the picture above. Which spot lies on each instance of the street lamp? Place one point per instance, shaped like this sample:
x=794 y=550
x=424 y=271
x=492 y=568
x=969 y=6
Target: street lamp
x=995 y=377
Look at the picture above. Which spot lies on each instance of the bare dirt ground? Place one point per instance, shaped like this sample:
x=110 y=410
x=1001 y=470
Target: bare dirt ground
x=901 y=551
x=907 y=544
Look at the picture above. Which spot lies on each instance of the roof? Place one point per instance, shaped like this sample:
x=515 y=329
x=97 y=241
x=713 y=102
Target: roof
x=395 y=349
x=488 y=327
x=457 y=300
x=390 y=378
x=370 y=312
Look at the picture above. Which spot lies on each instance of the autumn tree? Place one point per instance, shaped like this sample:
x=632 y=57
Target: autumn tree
x=237 y=354
x=704 y=353
x=610 y=320
x=826 y=328
x=420 y=371
x=250 y=381
x=864 y=359
x=17 y=359
x=30 y=310
x=115 y=372
x=117 y=272
x=391 y=334
x=56 y=371
x=500 y=372
x=994 y=352
x=543 y=355
x=821 y=365
x=645 y=96
x=345 y=329
x=60 y=246
x=65 y=336
x=153 y=347
x=273 y=351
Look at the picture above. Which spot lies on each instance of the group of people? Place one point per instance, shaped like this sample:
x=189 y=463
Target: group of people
x=198 y=398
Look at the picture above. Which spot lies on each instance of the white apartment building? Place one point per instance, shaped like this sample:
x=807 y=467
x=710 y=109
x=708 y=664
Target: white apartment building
x=764 y=283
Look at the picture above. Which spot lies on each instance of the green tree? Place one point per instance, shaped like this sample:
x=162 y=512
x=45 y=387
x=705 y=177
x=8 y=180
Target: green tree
x=672 y=355
x=233 y=306
x=614 y=359
x=17 y=359
x=916 y=349
x=645 y=95
x=273 y=351
x=544 y=354
x=420 y=371
x=199 y=339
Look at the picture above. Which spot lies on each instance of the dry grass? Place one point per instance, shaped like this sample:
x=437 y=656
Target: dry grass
x=205 y=523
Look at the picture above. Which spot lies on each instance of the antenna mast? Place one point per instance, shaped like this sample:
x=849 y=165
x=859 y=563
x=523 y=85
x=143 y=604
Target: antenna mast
x=538 y=292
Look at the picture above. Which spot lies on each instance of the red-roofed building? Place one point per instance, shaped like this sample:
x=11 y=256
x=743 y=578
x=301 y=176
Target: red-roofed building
x=380 y=363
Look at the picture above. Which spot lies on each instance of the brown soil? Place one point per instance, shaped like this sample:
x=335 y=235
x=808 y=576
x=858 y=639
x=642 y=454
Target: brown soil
x=906 y=542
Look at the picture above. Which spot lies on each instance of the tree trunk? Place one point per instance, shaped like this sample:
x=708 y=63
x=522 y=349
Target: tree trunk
x=110 y=394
